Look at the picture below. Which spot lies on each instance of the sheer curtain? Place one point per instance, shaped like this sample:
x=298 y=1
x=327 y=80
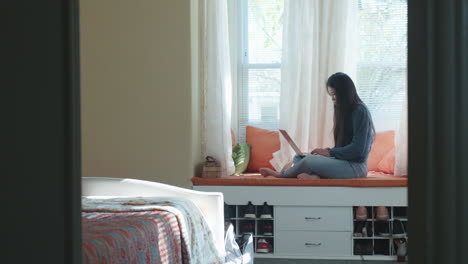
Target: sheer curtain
x=319 y=39
x=401 y=144
x=216 y=83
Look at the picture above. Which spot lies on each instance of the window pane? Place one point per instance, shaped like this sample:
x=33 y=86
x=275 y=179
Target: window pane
x=381 y=73
x=260 y=101
x=265 y=28
x=264 y=93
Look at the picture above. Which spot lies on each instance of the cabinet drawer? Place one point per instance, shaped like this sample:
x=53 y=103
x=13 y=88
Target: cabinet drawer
x=310 y=243
x=313 y=218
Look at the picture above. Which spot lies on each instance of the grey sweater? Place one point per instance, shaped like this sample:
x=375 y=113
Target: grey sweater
x=362 y=138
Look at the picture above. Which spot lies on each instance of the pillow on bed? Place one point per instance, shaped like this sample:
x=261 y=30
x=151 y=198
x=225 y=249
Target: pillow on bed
x=263 y=144
x=241 y=157
x=387 y=164
x=383 y=143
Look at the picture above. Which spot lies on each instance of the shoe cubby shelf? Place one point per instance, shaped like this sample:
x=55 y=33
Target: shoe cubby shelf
x=250 y=219
x=391 y=219
x=371 y=238
x=256 y=225
x=376 y=237
x=379 y=242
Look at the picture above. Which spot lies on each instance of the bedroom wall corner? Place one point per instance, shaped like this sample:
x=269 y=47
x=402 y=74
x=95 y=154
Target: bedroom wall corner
x=137 y=118
x=195 y=73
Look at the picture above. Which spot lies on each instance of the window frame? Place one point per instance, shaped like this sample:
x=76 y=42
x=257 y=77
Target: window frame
x=244 y=66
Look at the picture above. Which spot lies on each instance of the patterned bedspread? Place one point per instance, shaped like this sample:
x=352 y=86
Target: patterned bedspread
x=145 y=230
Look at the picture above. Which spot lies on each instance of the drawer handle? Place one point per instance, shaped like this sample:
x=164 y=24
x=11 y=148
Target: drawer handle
x=313 y=244
x=313 y=218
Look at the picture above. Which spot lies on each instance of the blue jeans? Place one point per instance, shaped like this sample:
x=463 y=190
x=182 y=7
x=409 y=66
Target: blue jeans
x=325 y=167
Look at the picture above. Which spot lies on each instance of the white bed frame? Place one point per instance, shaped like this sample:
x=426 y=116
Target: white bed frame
x=211 y=204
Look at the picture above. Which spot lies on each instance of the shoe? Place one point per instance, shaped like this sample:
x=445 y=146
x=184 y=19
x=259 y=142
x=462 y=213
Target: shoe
x=381 y=247
x=263 y=246
x=361 y=213
x=382 y=214
x=358 y=226
x=369 y=230
x=247 y=228
x=364 y=230
x=398 y=230
x=363 y=247
x=266 y=211
x=381 y=229
x=250 y=211
x=401 y=250
x=358 y=249
x=267 y=229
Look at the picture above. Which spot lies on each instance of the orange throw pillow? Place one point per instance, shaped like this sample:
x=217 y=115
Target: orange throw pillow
x=263 y=144
x=383 y=143
x=387 y=164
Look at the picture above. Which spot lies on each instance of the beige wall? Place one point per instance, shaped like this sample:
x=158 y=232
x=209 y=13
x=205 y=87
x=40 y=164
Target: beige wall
x=137 y=101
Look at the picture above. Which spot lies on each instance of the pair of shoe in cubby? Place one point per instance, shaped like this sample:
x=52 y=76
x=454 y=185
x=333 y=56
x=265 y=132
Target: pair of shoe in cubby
x=262 y=231
x=261 y=228
x=381 y=247
x=254 y=219
x=371 y=247
x=248 y=211
x=380 y=231
x=251 y=211
x=380 y=222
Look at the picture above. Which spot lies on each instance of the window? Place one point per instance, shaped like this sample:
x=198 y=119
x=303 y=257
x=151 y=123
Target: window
x=260 y=69
x=381 y=69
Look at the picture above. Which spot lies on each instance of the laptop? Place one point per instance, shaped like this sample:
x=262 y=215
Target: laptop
x=291 y=143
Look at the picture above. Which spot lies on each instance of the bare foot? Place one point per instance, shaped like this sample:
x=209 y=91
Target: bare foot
x=269 y=172
x=308 y=176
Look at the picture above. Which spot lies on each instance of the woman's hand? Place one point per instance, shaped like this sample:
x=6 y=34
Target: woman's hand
x=321 y=152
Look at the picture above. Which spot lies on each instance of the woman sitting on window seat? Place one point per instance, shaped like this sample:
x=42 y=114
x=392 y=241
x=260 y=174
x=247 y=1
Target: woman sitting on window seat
x=353 y=133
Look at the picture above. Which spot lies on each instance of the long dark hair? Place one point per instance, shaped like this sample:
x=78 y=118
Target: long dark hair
x=346 y=100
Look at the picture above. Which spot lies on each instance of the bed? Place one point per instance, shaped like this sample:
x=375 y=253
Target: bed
x=135 y=221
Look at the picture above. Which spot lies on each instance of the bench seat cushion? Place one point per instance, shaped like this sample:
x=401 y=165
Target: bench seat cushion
x=373 y=179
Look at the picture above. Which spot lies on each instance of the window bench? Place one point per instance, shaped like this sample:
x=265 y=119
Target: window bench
x=331 y=202
x=254 y=179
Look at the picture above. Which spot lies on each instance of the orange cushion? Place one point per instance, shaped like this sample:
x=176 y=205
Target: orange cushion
x=373 y=179
x=387 y=164
x=383 y=143
x=263 y=144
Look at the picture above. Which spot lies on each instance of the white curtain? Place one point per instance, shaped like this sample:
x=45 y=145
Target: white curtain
x=319 y=39
x=401 y=144
x=216 y=83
